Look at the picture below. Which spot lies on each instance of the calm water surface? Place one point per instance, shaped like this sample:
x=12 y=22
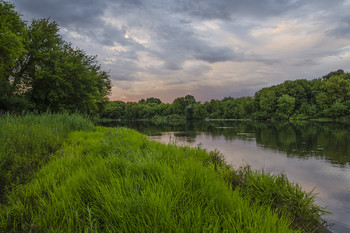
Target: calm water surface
x=315 y=155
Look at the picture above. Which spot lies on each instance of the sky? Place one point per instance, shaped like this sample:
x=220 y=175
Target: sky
x=210 y=49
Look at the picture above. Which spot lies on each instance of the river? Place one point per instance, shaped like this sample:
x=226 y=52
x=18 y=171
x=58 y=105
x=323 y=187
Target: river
x=315 y=155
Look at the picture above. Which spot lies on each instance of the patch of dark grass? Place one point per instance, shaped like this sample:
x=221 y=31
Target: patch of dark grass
x=27 y=143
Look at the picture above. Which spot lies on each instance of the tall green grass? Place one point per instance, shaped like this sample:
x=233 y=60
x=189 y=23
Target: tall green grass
x=27 y=142
x=116 y=180
x=277 y=192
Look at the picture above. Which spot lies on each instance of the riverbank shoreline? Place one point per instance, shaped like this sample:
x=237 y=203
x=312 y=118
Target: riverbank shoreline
x=153 y=186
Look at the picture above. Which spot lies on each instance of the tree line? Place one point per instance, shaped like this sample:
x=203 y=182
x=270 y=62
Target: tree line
x=39 y=71
x=327 y=96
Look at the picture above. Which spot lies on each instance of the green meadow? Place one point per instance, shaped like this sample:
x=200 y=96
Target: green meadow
x=60 y=173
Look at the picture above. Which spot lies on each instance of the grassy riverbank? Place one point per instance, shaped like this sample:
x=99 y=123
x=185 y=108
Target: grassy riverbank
x=116 y=180
x=28 y=142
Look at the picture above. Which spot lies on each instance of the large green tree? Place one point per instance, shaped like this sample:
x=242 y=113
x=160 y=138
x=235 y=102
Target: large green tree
x=53 y=76
x=40 y=71
x=60 y=77
x=180 y=104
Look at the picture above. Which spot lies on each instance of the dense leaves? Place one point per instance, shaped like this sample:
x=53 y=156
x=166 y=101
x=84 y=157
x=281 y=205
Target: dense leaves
x=41 y=72
x=12 y=30
x=12 y=34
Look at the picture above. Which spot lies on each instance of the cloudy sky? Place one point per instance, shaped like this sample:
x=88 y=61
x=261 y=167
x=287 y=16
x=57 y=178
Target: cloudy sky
x=206 y=48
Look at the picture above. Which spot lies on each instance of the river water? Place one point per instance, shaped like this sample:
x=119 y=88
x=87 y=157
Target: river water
x=316 y=155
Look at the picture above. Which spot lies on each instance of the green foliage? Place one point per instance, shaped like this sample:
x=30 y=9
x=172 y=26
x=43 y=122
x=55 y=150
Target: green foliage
x=336 y=110
x=267 y=102
x=240 y=108
x=337 y=88
x=322 y=100
x=12 y=31
x=12 y=36
x=180 y=104
x=59 y=76
x=114 y=110
x=150 y=100
x=306 y=111
x=189 y=111
x=215 y=109
x=199 y=112
x=333 y=73
x=300 y=90
x=27 y=143
x=260 y=115
x=116 y=180
x=40 y=71
x=153 y=100
x=285 y=106
x=132 y=110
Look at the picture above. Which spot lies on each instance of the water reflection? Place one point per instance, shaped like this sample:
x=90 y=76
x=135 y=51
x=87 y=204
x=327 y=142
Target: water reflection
x=313 y=154
x=328 y=141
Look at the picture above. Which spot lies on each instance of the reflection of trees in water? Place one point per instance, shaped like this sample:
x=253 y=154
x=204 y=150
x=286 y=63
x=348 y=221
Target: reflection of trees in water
x=329 y=140
x=308 y=139
x=296 y=139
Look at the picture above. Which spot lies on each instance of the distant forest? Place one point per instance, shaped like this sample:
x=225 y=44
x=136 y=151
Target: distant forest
x=328 y=96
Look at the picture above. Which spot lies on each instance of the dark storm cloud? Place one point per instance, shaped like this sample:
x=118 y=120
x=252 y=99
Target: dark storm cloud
x=175 y=52
x=227 y=9
x=176 y=40
x=80 y=13
x=74 y=12
x=315 y=5
x=85 y=16
x=213 y=54
x=82 y=16
x=178 y=43
x=342 y=29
